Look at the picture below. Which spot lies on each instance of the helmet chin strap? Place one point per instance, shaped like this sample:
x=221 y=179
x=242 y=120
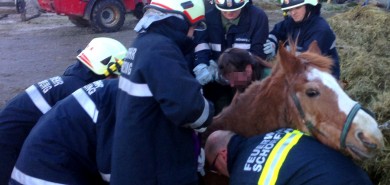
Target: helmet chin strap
x=307 y=14
x=114 y=67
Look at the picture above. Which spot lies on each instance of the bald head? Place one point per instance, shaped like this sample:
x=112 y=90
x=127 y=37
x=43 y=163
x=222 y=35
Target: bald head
x=216 y=142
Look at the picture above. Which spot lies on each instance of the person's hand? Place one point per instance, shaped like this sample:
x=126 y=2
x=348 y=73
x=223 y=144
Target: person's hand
x=201 y=161
x=269 y=48
x=213 y=68
x=202 y=74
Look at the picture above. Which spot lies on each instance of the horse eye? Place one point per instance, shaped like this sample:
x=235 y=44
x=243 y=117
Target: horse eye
x=312 y=93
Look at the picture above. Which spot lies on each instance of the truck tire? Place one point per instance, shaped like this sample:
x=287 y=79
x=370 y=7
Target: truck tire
x=139 y=10
x=79 y=21
x=107 y=16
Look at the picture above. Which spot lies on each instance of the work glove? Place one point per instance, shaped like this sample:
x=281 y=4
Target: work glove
x=202 y=74
x=269 y=48
x=201 y=161
x=213 y=69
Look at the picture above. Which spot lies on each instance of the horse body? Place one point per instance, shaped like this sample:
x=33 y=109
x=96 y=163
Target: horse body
x=302 y=94
x=254 y=111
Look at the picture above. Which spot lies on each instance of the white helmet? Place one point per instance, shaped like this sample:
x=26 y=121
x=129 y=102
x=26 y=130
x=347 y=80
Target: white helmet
x=288 y=4
x=192 y=10
x=230 y=5
x=103 y=56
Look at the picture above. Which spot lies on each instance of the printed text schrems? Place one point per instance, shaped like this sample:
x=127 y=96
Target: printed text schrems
x=259 y=155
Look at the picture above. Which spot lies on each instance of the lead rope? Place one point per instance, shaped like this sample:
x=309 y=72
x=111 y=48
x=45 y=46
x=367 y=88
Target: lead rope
x=385 y=126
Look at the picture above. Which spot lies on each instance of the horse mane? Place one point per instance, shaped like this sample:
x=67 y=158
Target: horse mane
x=312 y=56
x=320 y=62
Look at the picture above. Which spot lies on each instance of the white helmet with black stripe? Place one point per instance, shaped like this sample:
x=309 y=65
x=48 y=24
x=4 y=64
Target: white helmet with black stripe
x=230 y=5
x=289 y=4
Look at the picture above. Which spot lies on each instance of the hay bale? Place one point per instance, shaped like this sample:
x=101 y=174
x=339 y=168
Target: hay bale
x=382 y=105
x=367 y=27
x=363 y=42
x=363 y=37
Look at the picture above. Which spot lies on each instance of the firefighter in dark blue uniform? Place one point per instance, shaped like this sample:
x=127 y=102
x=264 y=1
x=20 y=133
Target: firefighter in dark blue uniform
x=285 y=156
x=159 y=102
x=231 y=24
x=71 y=144
x=22 y=112
x=304 y=24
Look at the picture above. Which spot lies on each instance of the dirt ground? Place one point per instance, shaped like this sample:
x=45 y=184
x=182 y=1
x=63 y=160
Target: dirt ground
x=43 y=47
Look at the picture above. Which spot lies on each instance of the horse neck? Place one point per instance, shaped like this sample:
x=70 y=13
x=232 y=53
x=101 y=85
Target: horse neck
x=278 y=110
x=263 y=107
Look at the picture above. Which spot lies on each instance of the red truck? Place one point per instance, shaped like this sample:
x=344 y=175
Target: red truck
x=101 y=15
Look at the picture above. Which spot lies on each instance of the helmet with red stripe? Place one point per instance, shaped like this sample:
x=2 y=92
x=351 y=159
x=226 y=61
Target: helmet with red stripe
x=192 y=10
x=102 y=54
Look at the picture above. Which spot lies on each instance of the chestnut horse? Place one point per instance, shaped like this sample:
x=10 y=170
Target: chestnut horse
x=302 y=94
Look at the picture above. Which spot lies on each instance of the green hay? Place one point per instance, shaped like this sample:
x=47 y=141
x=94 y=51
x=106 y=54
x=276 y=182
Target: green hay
x=366 y=27
x=382 y=105
x=363 y=43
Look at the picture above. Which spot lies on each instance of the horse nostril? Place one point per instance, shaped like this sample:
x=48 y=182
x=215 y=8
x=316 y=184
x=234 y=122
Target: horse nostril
x=365 y=142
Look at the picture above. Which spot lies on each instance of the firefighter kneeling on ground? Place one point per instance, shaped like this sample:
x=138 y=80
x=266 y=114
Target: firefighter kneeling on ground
x=22 y=112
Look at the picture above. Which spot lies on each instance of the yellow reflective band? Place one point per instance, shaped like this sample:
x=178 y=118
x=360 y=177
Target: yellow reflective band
x=270 y=173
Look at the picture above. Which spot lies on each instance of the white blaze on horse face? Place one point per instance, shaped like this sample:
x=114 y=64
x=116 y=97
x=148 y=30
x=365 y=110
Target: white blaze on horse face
x=364 y=122
x=344 y=101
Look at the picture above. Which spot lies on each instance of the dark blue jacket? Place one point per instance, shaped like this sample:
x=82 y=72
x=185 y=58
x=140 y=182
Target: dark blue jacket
x=159 y=103
x=71 y=144
x=304 y=33
x=288 y=157
x=250 y=34
x=22 y=112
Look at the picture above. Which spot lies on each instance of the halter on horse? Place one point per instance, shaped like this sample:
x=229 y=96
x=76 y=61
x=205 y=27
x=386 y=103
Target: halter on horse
x=302 y=94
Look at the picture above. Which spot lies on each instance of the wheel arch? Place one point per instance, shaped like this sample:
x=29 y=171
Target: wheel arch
x=89 y=8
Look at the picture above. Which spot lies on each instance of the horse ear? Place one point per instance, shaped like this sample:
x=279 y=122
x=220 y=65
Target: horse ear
x=313 y=48
x=288 y=61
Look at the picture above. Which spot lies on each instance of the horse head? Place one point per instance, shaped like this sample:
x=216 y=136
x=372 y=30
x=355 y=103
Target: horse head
x=325 y=110
x=302 y=94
